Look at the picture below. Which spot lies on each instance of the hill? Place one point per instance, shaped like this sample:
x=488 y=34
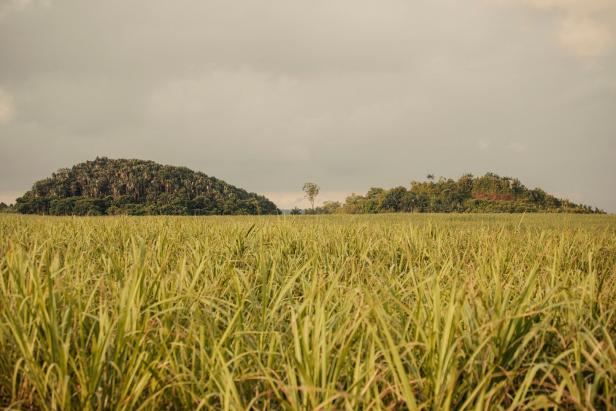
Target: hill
x=137 y=187
x=486 y=194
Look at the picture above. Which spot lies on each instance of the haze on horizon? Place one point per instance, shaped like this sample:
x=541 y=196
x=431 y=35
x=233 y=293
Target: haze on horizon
x=347 y=93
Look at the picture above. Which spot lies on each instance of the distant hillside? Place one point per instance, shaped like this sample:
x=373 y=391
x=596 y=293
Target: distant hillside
x=487 y=194
x=137 y=187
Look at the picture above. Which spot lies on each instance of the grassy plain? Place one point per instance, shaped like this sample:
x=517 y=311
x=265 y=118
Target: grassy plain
x=326 y=312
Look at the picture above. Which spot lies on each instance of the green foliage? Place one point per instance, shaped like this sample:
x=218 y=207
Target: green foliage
x=331 y=207
x=5 y=208
x=379 y=312
x=137 y=187
x=328 y=207
x=487 y=194
x=311 y=191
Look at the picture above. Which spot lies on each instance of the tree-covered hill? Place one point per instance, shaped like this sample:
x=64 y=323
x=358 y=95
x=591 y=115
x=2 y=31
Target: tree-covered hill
x=137 y=187
x=487 y=194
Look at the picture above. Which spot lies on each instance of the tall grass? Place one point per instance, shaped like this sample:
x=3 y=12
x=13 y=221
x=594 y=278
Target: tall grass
x=343 y=312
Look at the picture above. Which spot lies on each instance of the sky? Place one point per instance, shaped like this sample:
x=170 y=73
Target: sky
x=350 y=94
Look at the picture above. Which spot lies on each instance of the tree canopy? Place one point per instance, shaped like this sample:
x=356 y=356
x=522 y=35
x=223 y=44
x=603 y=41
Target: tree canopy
x=488 y=194
x=5 y=208
x=137 y=187
x=469 y=194
x=311 y=191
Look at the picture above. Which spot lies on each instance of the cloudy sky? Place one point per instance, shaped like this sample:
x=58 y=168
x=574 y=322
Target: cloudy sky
x=268 y=94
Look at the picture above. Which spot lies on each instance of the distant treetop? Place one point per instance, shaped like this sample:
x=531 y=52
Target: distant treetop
x=138 y=187
x=489 y=193
x=108 y=186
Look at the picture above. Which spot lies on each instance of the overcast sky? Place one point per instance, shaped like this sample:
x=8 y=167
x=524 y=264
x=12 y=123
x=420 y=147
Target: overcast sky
x=268 y=94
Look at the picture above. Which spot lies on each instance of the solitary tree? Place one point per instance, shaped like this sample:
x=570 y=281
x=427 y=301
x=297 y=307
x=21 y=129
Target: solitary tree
x=430 y=177
x=312 y=191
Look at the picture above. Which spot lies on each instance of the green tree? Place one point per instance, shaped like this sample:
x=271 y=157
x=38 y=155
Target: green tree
x=311 y=191
x=106 y=186
x=488 y=194
x=331 y=207
x=393 y=200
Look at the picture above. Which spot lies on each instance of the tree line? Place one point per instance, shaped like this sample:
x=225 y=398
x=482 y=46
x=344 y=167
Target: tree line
x=489 y=193
x=137 y=187
x=6 y=208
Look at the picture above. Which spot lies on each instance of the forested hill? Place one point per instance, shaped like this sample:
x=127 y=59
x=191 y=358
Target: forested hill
x=486 y=194
x=137 y=187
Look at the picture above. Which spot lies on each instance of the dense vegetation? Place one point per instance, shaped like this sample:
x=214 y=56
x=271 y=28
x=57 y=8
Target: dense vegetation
x=487 y=194
x=380 y=312
x=5 y=208
x=137 y=187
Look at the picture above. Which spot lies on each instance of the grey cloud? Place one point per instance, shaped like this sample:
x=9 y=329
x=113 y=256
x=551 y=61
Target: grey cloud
x=586 y=28
x=351 y=93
